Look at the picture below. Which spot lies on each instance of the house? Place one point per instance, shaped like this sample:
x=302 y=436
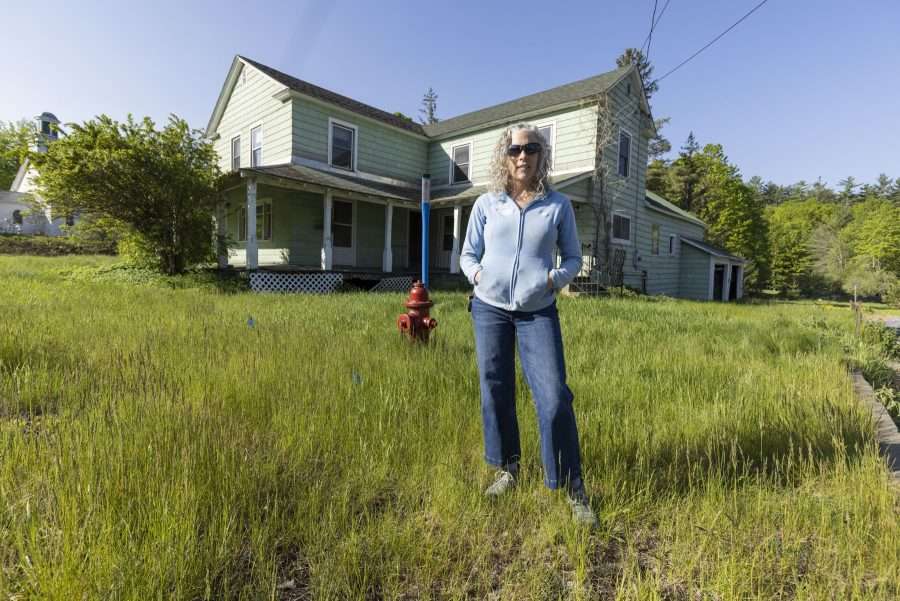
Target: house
x=17 y=213
x=320 y=182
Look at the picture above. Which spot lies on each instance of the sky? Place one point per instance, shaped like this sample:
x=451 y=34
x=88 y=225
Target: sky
x=801 y=90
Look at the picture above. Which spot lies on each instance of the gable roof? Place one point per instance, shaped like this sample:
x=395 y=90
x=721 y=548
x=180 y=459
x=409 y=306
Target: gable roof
x=355 y=106
x=712 y=249
x=655 y=201
x=563 y=94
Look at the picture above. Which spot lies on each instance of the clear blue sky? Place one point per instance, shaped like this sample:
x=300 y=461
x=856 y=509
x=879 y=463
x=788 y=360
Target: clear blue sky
x=800 y=90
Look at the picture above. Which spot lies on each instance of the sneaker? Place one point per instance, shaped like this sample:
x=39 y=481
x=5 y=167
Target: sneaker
x=581 y=508
x=505 y=481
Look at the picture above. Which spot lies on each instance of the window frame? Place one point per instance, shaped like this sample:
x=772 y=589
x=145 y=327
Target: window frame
x=627 y=134
x=552 y=141
x=237 y=157
x=254 y=163
x=354 y=151
x=452 y=177
x=262 y=207
x=625 y=215
x=673 y=247
x=654 y=239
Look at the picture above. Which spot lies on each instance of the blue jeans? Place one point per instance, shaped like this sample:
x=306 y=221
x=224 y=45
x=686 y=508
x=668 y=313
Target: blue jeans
x=541 y=353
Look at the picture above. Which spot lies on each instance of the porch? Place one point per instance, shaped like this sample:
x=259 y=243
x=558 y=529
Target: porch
x=299 y=219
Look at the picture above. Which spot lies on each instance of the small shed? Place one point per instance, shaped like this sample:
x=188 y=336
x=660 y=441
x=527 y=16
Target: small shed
x=709 y=272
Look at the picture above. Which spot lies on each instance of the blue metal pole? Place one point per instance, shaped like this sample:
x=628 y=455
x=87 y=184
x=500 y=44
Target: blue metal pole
x=426 y=211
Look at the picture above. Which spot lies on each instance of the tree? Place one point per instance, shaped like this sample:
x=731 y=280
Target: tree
x=874 y=233
x=790 y=227
x=429 y=108
x=16 y=139
x=633 y=56
x=659 y=144
x=685 y=187
x=162 y=184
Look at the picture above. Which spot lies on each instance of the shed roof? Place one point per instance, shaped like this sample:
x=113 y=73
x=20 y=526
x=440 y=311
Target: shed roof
x=712 y=249
x=658 y=202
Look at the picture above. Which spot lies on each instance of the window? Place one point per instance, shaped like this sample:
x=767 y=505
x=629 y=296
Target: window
x=654 y=239
x=621 y=228
x=447 y=237
x=70 y=219
x=264 y=221
x=461 y=162
x=342 y=224
x=236 y=153
x=256 y=146
x=342 y=145
x=624 y=153
x=17 y=217
x=671 y=244
x=547 y=131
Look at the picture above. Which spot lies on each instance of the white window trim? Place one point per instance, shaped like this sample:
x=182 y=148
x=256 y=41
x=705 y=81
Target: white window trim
x=353 y=160
x=259 y=127
x=630 y=228
x=231 y=152
x=453 y=148
x=622 y=130
x=552 y=125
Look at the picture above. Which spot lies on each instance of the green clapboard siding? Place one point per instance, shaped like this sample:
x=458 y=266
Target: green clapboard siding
x=251 y=104
x=694 y=279
x=383 y=150
x=369 y=234
x=663 y=270
x=575 y=130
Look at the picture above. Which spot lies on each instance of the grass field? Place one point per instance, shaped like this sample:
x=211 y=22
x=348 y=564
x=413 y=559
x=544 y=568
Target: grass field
x=153 y=445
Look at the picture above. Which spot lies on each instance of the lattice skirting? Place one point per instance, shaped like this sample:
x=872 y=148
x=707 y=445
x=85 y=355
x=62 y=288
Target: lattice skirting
x=315 y=283
x=396 y=284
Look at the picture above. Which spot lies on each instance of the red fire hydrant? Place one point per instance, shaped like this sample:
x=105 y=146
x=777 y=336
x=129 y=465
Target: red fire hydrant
x=416 y=323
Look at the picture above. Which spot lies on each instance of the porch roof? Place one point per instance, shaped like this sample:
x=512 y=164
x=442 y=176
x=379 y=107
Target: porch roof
x=472 y=192
x=319 y=178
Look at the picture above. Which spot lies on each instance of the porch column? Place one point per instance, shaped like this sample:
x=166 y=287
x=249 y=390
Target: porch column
x=454 y=252
x=726 y=286
x=221 y=234
x=327 y=257
x=740 y=282
x=387 y=259
x=252 y=246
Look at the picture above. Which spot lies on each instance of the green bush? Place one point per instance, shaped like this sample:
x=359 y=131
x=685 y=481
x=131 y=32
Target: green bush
x=881 y=338
x=52 y=246
x=891 y=296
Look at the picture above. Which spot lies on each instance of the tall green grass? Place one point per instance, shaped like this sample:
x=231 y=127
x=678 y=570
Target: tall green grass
x=153 y=445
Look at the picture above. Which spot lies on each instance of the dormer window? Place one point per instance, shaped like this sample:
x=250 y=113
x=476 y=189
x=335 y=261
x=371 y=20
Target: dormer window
x=342 y=145
x=459 y=168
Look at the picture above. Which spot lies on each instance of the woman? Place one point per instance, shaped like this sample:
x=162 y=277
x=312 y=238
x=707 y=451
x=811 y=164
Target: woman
x=508 y=255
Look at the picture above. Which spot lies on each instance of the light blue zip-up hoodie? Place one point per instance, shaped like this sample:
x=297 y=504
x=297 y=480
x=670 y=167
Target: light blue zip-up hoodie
x=514 y=249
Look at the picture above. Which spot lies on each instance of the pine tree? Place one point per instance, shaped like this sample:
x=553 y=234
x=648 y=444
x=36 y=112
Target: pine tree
x=428 y=111
x=633 y=56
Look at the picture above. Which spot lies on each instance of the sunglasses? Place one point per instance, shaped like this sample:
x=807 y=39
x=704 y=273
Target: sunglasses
x=530 y=148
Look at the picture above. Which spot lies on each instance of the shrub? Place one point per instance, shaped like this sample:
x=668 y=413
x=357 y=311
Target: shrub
x=47 y=246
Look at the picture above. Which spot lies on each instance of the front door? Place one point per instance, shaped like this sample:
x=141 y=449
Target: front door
x=343 y=232
x=444 y=241
x=718 y=282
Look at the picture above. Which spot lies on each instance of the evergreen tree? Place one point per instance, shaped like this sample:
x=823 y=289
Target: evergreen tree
x=685 y=176
x=659 y=144
x=428 y=112
x=633 y=56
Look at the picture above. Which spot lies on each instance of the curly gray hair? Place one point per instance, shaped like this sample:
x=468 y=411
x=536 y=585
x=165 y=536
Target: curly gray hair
x=499 y=169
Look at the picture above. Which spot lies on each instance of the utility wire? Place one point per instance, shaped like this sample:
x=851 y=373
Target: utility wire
x=653 y=26
x=716 y=39
x=650 y=35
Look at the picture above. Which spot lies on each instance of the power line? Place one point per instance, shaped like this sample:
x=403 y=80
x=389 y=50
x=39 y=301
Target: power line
x=650 y=35
x=653 y=25
x=716 y=39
